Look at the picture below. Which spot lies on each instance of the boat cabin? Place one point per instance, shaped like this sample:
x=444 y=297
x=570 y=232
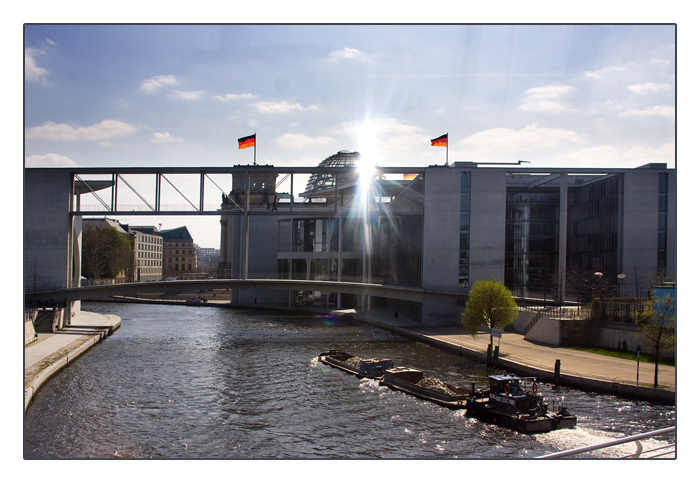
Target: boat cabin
x=506 y=384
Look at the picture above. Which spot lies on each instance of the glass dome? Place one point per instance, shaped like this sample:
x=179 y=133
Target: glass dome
x=342 y=159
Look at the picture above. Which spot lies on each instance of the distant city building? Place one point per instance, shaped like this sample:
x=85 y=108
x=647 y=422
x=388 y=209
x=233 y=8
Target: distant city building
x=148 y=253
x=146 y=244
x=207 y=260
x=179 y=253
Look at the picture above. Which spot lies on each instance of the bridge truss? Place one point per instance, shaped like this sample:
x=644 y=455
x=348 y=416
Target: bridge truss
x=188 y=190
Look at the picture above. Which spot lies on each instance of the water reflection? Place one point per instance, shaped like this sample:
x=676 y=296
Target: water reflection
x=206 y=382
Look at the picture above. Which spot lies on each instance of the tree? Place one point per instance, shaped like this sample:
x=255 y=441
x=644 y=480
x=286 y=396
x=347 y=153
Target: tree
x=490 y=303
x=106 y=253
x=658 y=329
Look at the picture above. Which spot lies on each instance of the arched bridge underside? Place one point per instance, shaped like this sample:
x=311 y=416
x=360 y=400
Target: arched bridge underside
x=363 y=289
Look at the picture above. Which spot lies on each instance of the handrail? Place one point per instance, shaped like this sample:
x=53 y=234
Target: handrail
x=628 y=439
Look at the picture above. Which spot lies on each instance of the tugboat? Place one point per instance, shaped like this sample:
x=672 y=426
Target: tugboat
x=412 y=381
x=362 y=368
x=510 y=404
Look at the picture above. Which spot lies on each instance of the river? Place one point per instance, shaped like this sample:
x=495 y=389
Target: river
x=206 y=382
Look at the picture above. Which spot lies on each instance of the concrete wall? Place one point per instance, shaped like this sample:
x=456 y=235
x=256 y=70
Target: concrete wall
x=487 y=230
x=545 y=331
x=640 y=228
x=441 y=229
x=440 y=244
x=47 y=229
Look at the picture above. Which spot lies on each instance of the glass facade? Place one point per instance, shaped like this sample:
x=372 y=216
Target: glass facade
x=663 y=218
x=397 y=250
x=532 y=242
x=464 y=221
x=593 y=231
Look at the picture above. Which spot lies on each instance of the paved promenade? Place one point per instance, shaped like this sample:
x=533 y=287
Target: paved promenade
x=52 y=351
x=579 y=369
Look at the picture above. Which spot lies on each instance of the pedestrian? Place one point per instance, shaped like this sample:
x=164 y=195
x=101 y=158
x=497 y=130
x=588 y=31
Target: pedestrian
x=396 y=315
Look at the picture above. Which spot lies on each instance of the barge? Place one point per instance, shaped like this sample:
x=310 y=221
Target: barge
x=363 y=368
x=412 y=381
x=510 y=403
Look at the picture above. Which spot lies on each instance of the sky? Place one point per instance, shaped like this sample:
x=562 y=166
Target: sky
x=555 y=95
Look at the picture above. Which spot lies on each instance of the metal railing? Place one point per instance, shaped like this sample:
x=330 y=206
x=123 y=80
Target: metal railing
x=656 y=452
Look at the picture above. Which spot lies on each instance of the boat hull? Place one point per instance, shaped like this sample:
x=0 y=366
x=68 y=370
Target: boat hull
x=521 y=422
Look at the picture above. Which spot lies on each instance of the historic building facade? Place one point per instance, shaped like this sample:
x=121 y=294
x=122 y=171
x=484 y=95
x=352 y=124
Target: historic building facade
x=179 y=252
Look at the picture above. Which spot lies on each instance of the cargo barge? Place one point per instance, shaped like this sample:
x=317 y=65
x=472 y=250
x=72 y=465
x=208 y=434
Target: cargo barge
x=363 y=368
x=413 y=382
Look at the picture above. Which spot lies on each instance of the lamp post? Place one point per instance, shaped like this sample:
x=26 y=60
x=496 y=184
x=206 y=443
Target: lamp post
x=620 y=277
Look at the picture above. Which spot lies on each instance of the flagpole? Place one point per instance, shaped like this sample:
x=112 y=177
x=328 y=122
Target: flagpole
x=447 y=147
x=255 y=149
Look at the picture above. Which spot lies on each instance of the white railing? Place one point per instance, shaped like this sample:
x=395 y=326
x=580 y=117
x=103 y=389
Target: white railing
x=656 y=452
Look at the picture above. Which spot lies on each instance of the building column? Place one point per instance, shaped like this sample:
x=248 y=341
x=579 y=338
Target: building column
x=563 y=222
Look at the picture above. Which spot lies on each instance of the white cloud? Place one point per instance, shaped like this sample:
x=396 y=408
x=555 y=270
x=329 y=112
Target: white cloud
x=300 y=141
x=235 y=97
x=106 y=129
x=650 y=87
x=32 y=72
x=527 y=139
x=188 y=95
x=347 y=54
x=272 y=107
x=165 y=138
x=641 y=155
x=653 y=111
x=154 y=83
x=595 y=156
x=547 y=99
x=51 y=160
x=606 y=72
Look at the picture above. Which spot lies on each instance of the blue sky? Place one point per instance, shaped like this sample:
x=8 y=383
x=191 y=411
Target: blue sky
x=181 y=95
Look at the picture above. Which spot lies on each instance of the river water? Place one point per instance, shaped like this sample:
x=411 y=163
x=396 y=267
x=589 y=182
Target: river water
x=207 y=382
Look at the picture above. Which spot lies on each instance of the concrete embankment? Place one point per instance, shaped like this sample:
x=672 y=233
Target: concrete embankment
x=577 y=369
x=52 y=351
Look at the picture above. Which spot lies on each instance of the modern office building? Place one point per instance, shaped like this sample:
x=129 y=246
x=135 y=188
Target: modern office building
x=547 y=233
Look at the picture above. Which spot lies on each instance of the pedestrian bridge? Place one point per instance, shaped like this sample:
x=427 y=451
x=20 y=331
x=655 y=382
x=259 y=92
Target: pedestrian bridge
x=353 y=288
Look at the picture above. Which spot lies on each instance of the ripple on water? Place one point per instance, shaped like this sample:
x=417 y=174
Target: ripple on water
x=218 y=383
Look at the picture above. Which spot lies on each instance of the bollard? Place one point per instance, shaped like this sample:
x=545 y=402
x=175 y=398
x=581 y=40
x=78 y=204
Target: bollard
x=488 y=356
x=495 y=355
x=557 y=370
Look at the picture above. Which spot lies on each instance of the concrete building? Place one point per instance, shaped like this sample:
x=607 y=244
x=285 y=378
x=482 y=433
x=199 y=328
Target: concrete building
x=179 y=254
x=548 y=233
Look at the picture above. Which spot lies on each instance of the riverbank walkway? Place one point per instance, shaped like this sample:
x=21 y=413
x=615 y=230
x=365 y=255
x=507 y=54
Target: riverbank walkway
x=578 y=369
x=50 y=352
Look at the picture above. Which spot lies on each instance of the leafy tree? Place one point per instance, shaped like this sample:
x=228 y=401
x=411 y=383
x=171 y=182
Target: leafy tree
x=490 y=303
x=106 y=253
x=658 y=329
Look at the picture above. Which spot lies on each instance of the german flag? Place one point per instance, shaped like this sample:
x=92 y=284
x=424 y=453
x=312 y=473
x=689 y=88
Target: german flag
x=441 y=141
x=246 y=142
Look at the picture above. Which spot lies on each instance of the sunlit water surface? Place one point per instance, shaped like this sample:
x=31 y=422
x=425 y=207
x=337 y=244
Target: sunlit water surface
x=206 y=382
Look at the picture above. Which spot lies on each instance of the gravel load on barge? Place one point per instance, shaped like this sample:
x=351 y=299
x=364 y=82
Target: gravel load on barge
x=413 y=382
x=363 y=368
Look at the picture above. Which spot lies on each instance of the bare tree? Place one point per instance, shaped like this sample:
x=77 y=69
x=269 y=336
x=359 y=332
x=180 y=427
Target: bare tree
x=658 y=329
